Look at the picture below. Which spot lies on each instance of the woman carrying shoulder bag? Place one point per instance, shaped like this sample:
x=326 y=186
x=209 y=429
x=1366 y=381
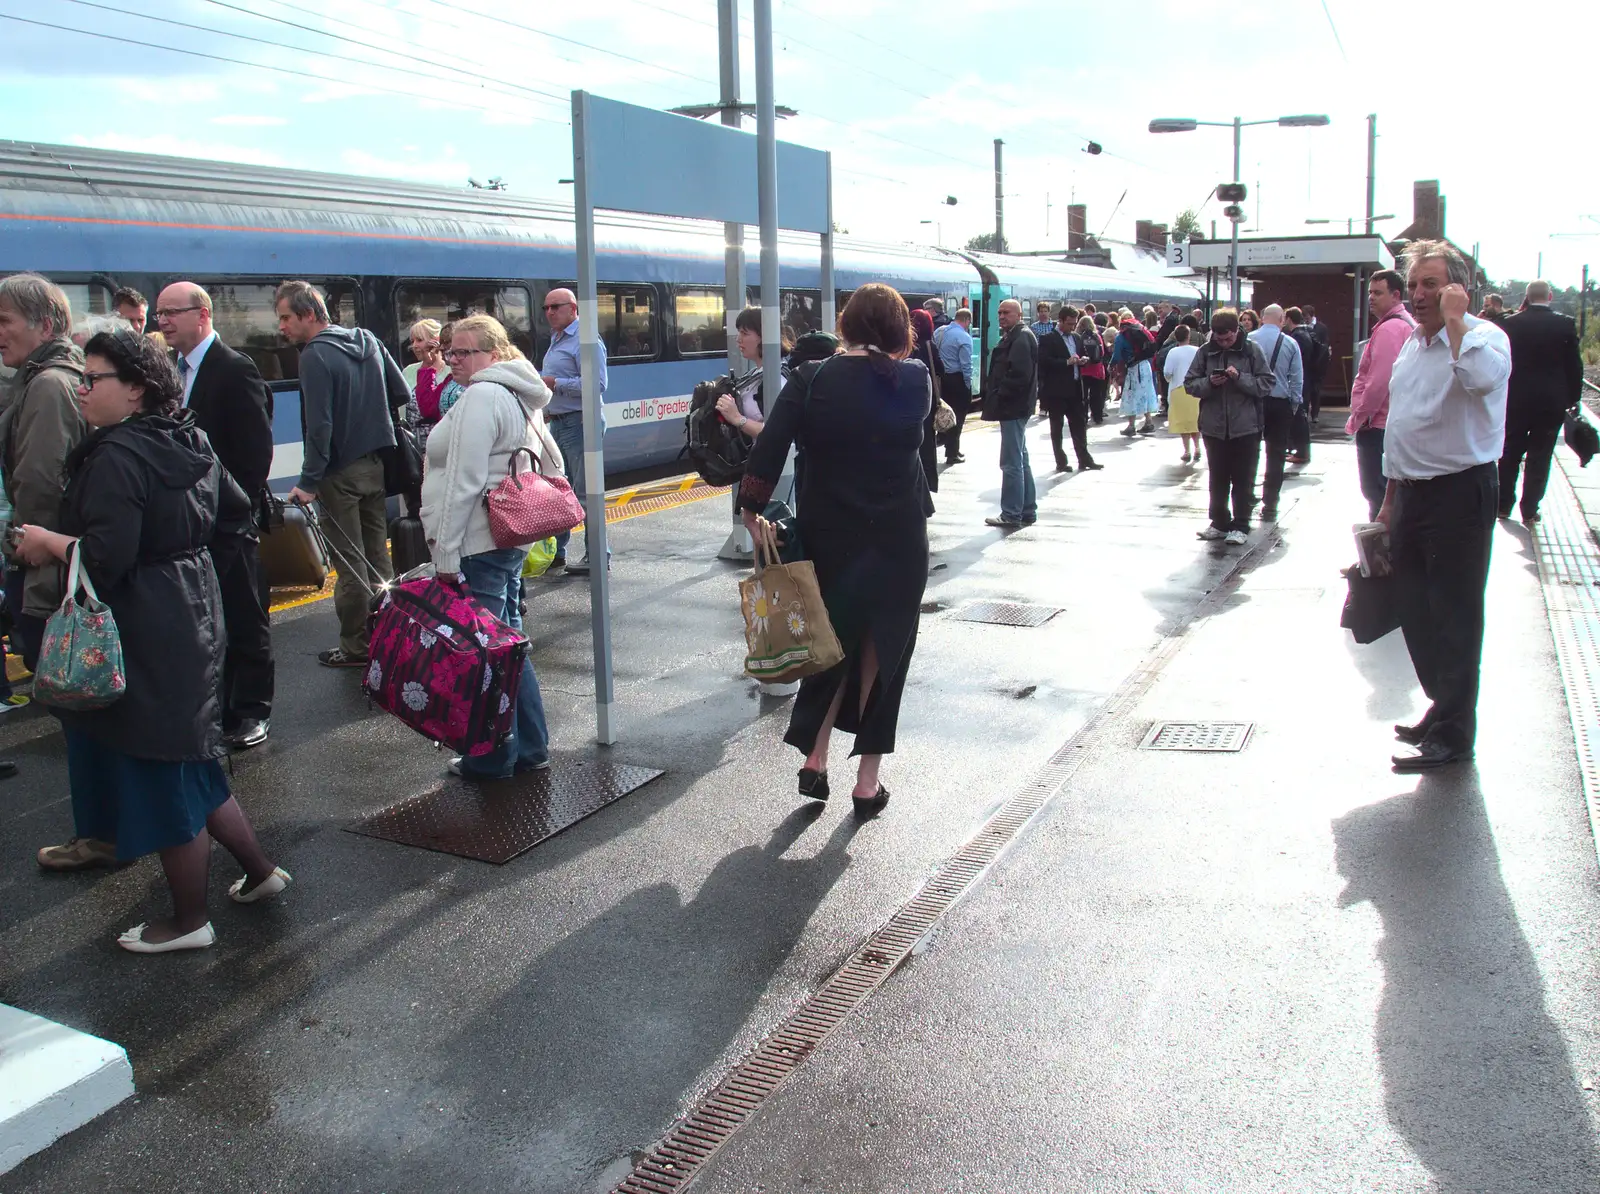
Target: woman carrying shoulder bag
x=500 y=413
x=142 y=498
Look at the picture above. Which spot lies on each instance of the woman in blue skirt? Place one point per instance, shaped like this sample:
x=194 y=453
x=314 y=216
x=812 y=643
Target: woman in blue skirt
x=1132 y=350
x=143 y=493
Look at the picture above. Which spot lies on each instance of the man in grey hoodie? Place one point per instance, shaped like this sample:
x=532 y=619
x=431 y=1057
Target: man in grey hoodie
x=349 y=387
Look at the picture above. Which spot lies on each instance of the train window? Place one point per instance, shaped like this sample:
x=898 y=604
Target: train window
x=800 y=311
x=702 y=326
x=625 y=323
x=246 y=319
x=450 y=301
x=86 y=299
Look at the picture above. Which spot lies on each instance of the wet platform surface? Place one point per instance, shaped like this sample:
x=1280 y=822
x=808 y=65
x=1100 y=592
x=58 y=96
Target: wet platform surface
x=1277 y=968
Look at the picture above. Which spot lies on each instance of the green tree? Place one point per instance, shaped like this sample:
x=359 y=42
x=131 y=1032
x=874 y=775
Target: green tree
x=1187 y=225
x=987 y=244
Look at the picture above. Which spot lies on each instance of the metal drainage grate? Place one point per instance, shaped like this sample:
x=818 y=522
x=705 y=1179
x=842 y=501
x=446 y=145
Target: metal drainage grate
x=1007 y=613
x=496 y=821
x=1198 y=735
x=673 y=1163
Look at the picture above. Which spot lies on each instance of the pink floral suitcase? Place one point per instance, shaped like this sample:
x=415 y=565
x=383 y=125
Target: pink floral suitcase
x=444 y=665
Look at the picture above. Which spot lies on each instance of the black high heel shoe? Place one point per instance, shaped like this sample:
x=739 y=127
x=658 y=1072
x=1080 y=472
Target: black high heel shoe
x=814 y=784
x=871 y=806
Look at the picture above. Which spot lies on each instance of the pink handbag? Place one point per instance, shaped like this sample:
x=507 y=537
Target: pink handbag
x=527 y=507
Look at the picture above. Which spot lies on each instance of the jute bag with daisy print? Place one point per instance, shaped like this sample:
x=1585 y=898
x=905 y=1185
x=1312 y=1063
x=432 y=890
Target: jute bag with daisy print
x=786 y=625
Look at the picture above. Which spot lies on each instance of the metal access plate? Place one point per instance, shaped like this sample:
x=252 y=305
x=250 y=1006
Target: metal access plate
x=1198 y=735
x=498 y=820
x=1007 y=613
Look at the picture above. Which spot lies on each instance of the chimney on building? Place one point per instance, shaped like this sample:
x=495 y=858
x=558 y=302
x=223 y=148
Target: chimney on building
x=1159 y=233
x=1427 y=211
x=1077 y=225
x=1142 y=233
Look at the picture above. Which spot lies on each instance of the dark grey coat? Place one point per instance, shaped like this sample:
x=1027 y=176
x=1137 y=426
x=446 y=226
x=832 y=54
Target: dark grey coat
x=1232 y=410
x=142 y=496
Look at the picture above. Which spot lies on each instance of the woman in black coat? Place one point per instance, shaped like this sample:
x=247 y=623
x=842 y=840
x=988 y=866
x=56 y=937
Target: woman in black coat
x=141 y=502
x=863 y=519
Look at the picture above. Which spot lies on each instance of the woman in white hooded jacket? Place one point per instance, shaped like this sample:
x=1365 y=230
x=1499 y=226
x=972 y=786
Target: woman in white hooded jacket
x=469 y=454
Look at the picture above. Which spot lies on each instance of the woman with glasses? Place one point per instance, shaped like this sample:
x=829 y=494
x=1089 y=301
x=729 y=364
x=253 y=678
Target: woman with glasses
x=143 y=494
x=500 y=413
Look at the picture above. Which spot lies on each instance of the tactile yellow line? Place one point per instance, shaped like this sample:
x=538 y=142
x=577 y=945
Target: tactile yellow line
x=627 y=503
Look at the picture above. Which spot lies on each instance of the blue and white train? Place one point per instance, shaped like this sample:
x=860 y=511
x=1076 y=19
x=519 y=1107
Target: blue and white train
x=386 y=254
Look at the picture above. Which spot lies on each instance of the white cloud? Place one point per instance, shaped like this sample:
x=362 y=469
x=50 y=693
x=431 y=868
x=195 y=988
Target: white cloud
x=248 y=120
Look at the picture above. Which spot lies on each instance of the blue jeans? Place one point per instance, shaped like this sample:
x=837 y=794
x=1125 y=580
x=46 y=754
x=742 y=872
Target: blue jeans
x=1369 y=462
x=495 y=578
x=1018 y=501
x=567 y=431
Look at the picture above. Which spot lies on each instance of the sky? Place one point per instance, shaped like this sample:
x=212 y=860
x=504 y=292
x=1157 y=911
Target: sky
x=909 y=98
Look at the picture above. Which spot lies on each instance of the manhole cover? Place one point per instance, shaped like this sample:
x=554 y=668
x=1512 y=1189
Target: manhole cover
x=1007 y=613
x=1198 y=735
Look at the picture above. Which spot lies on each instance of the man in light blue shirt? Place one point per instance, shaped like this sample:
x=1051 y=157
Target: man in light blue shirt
x=562 y=371
x=1042 y=324
x=1288 y=389
x=954 y=344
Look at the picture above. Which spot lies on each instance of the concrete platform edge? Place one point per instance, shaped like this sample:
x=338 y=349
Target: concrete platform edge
x=53 y=1079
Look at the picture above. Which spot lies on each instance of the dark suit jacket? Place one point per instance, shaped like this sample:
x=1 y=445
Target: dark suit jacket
x=1546 y=370
x=1057 y=386
x=233 y=406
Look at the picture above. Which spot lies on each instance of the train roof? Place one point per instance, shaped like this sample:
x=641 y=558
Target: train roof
x=82 y=184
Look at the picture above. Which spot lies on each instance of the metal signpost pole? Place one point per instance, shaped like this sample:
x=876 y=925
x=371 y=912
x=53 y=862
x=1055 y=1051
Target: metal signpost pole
x=1233 y=253
x=830 y=316
x=999 y=200
x=738 y=545
x=767 y=205
x=594 y=467
x=1372 y=164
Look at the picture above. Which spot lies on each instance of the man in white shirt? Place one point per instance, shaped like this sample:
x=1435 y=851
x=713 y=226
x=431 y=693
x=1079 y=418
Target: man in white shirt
x=1442 y=445
x=1278 y=407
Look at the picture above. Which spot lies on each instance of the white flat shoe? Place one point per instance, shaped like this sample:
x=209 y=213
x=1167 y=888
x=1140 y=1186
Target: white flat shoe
x=265 y=890
x=133 y=941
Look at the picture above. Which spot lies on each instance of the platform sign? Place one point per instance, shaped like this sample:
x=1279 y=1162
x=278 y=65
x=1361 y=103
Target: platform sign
x=1177 y=253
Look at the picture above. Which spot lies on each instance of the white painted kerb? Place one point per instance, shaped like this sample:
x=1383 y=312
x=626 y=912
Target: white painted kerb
x=52 y=1079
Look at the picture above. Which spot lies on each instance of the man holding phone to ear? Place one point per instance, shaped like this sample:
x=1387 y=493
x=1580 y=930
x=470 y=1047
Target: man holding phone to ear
x=1231 y=378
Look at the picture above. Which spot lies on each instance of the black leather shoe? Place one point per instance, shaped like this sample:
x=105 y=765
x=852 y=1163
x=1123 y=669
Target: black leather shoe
x=251 y=732
x=1529 y=517
x=1427 y=755
x=1090 y=467
x=7 y=768
x=1503 y=512
x=814 y=784
x=1411 y=735
x=870 y=806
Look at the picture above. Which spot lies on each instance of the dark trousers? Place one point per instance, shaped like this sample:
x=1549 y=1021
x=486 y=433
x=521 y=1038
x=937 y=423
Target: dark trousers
x=1231 y=467
x=1313 y=395
x=1094 y=392
x=1369 y=463
x=957 y=394
x=1075 y=413
x=1534 y=438
x=1440 y=532
x=248 y=673
x=1277 y=424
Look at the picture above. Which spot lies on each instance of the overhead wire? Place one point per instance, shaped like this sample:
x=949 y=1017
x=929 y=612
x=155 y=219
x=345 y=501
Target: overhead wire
x=405 y=55
x=282 y=70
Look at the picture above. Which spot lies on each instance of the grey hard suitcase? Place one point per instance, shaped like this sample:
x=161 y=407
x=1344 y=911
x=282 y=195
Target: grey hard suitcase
x=294 y=553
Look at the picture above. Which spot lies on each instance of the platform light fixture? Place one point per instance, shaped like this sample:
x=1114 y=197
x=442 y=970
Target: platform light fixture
x=1174 y=124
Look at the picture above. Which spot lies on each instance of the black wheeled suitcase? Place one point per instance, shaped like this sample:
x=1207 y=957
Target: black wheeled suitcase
x=293 y=551
x=408 y=545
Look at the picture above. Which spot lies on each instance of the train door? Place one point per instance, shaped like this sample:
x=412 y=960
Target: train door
x=986 y=328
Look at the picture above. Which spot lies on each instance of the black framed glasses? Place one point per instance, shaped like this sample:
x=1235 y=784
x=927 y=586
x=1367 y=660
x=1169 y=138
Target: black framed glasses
x=168 y=312
x=558 y=306
x=461 y=354
x=89 y=379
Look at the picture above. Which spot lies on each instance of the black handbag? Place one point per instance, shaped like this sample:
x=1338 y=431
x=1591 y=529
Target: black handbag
x=1371 y=608
x=1581 y=437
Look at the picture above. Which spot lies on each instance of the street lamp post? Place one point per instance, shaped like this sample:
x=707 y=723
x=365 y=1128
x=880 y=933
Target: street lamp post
x=1171 y=125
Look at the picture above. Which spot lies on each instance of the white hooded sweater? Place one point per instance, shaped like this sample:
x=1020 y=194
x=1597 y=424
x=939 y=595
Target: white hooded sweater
x=469 y=453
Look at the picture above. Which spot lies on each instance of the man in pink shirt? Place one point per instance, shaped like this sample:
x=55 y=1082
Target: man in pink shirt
x=1369 y=397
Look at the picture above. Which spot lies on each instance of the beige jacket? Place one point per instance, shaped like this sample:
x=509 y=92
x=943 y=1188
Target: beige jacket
x=40 y=424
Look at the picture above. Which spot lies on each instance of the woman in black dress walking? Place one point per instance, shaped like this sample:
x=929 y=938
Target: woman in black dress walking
x=864 y=507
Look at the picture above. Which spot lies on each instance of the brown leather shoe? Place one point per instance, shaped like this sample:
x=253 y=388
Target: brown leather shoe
x=78 y=854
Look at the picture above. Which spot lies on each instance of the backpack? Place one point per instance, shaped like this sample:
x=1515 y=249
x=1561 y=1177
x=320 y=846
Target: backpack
x=444 y=665
x=1143 y=349
x=718 y=451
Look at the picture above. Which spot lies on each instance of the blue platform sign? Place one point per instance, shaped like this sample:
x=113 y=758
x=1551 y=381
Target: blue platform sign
x=670 y=165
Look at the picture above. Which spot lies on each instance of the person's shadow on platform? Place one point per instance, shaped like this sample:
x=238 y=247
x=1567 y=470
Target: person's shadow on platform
x=1477 y=1078
x=622 y=1019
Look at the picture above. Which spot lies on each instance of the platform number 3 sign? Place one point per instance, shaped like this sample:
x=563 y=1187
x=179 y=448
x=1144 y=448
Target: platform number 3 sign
x=1177 y=252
